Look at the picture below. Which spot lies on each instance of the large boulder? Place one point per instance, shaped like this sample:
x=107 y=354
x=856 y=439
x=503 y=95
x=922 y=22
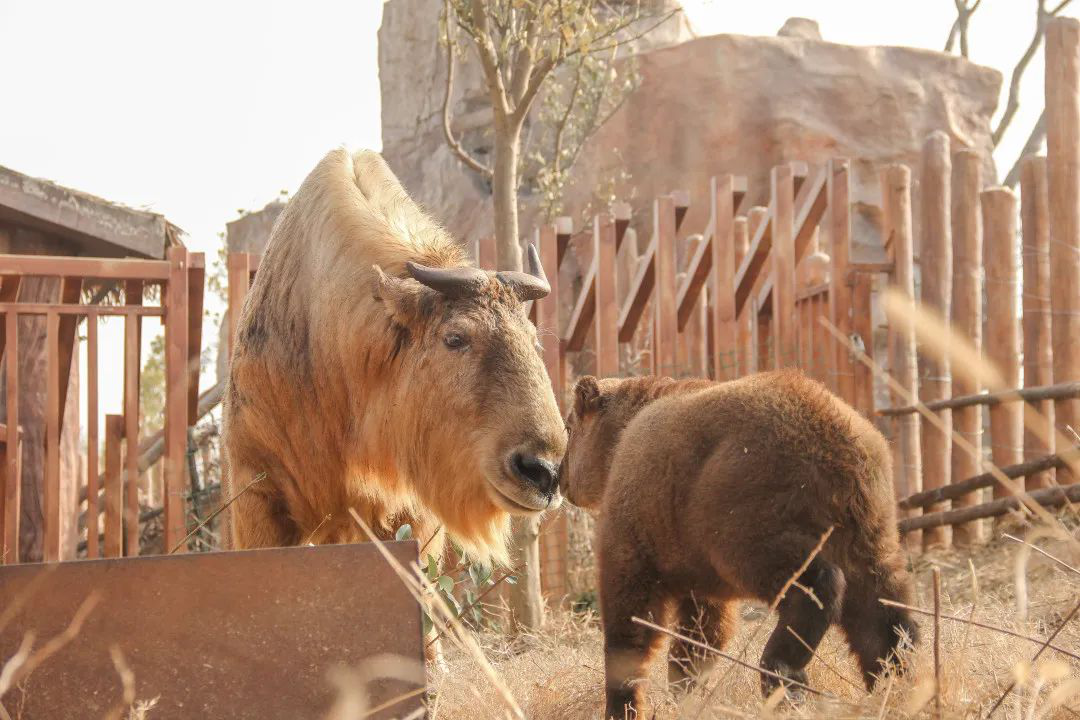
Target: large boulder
x=722 y=103
x=731 y=103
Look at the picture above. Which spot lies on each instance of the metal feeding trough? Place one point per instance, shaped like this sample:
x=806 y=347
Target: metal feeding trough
x=282 y=633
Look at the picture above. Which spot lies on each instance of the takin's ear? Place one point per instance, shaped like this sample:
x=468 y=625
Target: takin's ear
x=586 y=395
x=402 y=298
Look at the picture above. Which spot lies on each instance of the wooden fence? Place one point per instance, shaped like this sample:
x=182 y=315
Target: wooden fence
x=179 y=279
x=774 y=286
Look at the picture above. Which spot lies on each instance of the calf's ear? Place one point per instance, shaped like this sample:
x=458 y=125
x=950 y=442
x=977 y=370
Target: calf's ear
x=586 y=395
x=402 y=298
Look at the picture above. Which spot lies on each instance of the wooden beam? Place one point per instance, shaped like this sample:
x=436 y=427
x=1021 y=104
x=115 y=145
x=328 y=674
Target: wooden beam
x=114 y=500
x=53 y=411
x=577 y=329
x=1002 y=325
x=967 y=321
x=70 y=292
x=547 y=312
x=1047 y=497
x=196 y=291
x=896 y=196
x=1038 y=358
x=90 y=268
x=1063 y=169
x=838 y=192
x=176 y=415
x=665 y=224
x=93 y=550
x=936 y=271
x=641 y=288
x=987 y=479
x=9 y=293
x=9 y=552
x=785 y=349
x=606 y=312
x=722 y=252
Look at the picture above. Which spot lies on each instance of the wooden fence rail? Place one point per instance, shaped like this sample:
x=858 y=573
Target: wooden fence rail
x=180 y=280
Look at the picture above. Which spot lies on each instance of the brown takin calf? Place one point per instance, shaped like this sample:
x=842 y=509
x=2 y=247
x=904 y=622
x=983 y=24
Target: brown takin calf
x=713 y=492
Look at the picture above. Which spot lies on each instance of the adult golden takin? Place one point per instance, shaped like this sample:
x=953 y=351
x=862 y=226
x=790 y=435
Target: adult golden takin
x=374 y=369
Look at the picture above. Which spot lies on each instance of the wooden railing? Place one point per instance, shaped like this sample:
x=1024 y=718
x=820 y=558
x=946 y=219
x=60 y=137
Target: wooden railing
x=180 y=280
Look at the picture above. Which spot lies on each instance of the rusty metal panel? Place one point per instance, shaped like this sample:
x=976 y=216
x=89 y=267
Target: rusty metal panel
x=249 y=634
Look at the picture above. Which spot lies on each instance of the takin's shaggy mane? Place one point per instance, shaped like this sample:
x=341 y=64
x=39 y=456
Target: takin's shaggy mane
x=346 y=390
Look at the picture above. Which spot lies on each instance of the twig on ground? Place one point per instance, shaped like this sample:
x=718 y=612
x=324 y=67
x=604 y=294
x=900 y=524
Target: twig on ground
x=1039 y=550
x=826 y=663
x=1045 y=645
x=444 y=619
x=258 y=478
x=732 y=658
x=473 y=604
x=984 y=626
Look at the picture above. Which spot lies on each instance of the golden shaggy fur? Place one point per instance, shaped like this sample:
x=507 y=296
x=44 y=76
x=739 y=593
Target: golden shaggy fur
x=713 y=492
x=342 y=391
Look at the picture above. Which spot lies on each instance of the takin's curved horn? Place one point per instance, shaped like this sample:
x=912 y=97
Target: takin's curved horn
x=454 y=282
x=532 y=285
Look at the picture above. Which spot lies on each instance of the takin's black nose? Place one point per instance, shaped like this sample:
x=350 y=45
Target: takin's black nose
x=536 y=472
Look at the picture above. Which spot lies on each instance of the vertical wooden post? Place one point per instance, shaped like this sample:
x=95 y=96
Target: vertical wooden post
x=936 y=266
x=52 y=440
x=132 y=367
x=1038 y=359
x=547 y=311
x=784 y=322
x=1063 y=169
x=606 y=317
x=723 y=269
x=967 y=322
x=196 y=293
x=840 y=289
x=239 y=269
x=176 y=377
x=896 y=187
x=12 y=481
x=667 y=320
x=735 y=356
x=862 y=328
x=1003 y=326
x=92 y=437
x=748 y=323
x=114 y=488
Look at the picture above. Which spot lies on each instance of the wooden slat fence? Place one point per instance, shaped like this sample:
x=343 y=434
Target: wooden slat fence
x=180 y=282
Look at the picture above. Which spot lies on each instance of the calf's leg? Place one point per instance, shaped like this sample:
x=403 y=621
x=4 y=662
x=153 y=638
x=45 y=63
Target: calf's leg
x=707 y=620
x=628 y=646
x=808 y=617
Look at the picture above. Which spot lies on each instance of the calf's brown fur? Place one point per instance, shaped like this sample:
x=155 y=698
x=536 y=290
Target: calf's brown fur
x=713 y=492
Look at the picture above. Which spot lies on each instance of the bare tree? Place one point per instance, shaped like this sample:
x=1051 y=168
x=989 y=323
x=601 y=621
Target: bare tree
x=1012 y=103
x=959 y=27
x=565 y=51
x=520 y=45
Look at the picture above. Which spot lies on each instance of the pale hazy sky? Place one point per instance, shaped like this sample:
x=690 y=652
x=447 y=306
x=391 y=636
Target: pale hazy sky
x=199 y=109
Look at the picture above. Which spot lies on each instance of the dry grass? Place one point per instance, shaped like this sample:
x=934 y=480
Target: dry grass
x=559 y=674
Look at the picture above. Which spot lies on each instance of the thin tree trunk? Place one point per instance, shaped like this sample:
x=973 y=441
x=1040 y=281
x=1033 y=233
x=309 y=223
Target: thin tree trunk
x=526 y=599
x=504 y=188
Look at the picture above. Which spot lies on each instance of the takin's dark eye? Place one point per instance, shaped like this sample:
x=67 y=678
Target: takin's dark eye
x=455 y=341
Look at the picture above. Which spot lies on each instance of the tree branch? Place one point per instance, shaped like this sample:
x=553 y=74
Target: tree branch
x=536 y=79
x=560 y=128
x=489 y=59
x=452 y=141
x=1013 y=102
x=1034 y=142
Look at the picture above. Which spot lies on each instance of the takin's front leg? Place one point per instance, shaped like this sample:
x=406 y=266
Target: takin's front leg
x=259 y=518
x=708 y=621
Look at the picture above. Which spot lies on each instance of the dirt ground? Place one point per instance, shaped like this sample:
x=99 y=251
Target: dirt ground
x=558 y=674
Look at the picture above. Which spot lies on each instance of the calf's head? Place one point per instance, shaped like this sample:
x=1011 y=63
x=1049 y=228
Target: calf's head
x=593 y=428
x=471 y=388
